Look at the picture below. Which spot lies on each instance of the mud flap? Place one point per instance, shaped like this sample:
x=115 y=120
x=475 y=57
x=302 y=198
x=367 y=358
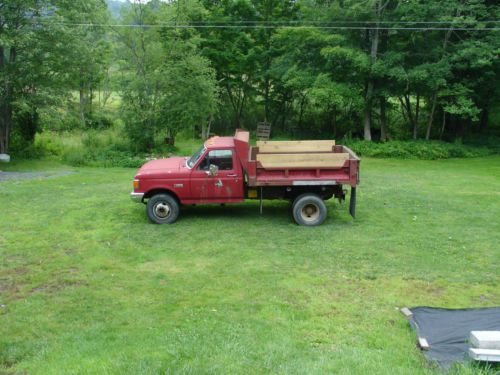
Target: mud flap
x=352 y=203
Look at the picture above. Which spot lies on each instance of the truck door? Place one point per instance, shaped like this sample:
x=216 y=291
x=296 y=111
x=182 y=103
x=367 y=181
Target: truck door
x=226 y=186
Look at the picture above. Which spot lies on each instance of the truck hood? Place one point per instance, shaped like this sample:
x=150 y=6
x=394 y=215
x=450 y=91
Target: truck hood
x=163 y=168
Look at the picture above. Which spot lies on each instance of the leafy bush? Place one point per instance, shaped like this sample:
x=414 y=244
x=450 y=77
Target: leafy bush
x=45 y=146
x=53 y=118
x=106 y=148
x=76 y=157
x=103 y=149
x=99 y=120
x=49 y=145
x=490 y=141
x=428 y=150
x=102 y=158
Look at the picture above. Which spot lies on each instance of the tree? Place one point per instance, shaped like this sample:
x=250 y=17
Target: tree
x=232 y=52
x=167 y=84
x=189 y=94
x=15 y=33
x=39 y=53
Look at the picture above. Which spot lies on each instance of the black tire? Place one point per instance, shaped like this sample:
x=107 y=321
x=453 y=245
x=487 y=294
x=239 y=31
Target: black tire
x=162 y=209
x=309 y=210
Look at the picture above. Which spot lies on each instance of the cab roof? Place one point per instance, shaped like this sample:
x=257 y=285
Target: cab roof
x=219 y=142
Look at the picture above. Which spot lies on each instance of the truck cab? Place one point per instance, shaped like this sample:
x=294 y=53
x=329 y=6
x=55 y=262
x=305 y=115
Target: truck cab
x=216 y=175
x=228 y=170
x=213 y=174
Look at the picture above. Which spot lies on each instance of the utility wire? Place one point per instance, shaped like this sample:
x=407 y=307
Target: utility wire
x=325 y=23
x=267 y=26
x=344 y=22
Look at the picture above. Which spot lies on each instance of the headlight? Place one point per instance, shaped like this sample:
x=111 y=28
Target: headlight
x=136 y=184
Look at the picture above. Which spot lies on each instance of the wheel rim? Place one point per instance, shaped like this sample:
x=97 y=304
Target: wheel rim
x=309 y=212
x=161 y=210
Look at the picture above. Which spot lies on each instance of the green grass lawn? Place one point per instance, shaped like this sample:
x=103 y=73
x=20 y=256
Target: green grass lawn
x=88 y=285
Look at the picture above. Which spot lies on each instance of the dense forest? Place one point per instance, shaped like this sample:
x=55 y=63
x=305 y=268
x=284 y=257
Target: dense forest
x=370 y=69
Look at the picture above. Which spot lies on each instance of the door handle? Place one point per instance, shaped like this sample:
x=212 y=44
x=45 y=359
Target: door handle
x=232 y=175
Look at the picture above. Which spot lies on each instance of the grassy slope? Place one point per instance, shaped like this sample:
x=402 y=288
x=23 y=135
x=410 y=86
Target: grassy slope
x=91 y=287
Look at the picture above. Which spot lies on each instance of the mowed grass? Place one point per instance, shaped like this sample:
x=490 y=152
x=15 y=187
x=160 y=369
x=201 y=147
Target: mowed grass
x=89 y=286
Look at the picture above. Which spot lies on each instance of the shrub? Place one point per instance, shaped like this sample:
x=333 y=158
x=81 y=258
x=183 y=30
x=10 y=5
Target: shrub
x=49 y=144
x=55 y=119
x=75 y=157
x=105 y=148
x=103 y=158
x=99 y=120
x=428 y=150
x=491 y=141
x=44 y=145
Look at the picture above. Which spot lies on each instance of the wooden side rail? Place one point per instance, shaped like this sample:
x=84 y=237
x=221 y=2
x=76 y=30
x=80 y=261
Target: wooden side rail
x=309 y=160
x=267 y=147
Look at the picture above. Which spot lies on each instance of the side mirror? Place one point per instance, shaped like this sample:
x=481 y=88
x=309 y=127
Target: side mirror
x=213 y=170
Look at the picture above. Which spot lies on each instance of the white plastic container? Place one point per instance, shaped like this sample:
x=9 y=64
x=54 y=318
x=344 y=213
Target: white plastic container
x=485 y=339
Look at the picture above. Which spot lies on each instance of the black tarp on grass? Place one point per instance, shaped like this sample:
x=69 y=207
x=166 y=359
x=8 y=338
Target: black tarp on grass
x=447 y=331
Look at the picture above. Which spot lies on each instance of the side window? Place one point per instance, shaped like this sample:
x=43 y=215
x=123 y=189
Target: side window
x=221 y=158
x=203 y=166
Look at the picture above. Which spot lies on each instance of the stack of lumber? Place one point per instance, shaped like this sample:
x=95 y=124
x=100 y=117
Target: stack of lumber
x=485 y=346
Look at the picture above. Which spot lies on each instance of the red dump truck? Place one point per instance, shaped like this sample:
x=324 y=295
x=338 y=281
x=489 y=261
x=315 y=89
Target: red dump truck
x=229 y=170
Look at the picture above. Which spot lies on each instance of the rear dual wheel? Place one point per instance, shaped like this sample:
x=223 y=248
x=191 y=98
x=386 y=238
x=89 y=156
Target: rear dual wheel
x=309 y=210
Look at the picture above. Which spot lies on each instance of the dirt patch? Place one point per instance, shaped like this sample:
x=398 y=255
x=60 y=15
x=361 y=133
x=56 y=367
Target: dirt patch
x=19 y=271
x=14 y=287
x=57 y=286
x=161 y=266
x=167 y=266
x=5 y=176
x=8 y=287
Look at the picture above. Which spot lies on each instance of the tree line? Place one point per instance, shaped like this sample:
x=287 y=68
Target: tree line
x=370 y=69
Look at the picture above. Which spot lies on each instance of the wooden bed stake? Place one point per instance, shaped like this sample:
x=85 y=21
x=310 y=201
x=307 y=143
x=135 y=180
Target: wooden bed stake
x=406 y=312
x=424 y=345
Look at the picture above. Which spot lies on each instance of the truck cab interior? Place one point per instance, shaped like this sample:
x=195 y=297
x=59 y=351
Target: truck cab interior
x=223 y=159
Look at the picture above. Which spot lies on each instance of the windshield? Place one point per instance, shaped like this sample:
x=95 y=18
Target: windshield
x=197 y=155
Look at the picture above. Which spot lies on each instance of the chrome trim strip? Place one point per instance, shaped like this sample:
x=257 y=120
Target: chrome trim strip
x=136 y=197
x=313 y=183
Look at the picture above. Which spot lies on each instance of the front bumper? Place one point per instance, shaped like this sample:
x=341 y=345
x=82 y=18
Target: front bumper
x=137 y=197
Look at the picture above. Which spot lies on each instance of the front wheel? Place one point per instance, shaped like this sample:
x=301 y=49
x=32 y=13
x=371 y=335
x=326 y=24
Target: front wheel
x=309 y=210
x=162 y=209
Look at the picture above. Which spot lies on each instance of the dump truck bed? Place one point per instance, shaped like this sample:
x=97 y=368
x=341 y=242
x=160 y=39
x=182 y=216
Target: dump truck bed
x=301 y=163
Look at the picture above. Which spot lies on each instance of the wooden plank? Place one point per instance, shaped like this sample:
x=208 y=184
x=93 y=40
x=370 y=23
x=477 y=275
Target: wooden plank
x=485 y=339
x=311 y=160
x=295 y=146
x=489 y=355
x=422 y=342
x=406 y=312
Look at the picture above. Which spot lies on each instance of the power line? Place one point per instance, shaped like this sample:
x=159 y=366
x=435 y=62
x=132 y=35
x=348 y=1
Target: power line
x=342 y=22
x=304 y=22
x=270 y=26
